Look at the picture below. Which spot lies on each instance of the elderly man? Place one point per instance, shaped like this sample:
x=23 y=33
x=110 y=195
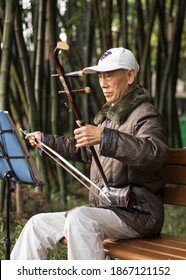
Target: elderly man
x=131 y=143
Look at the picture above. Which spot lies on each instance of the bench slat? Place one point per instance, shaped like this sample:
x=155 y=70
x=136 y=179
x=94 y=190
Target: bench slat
x=130 y=253
x=175 y=174
x=126 y=252
x=174 y=196
x=177 y=156
x=165 y=241
x=152 y=248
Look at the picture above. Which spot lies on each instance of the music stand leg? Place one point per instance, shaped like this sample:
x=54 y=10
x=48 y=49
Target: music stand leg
x=7 y=176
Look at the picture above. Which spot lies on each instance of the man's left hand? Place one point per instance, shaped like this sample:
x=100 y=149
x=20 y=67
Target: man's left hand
x=87 y=135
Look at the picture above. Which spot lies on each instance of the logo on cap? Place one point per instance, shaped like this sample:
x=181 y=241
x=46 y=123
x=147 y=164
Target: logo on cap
x=105 y=55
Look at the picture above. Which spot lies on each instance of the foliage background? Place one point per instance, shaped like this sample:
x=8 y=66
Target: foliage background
x=29 y=31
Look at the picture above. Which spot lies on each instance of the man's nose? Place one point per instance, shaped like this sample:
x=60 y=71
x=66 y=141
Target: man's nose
x=103 y=82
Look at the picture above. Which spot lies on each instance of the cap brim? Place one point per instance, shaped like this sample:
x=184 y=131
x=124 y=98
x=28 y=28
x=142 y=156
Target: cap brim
x=101 y=68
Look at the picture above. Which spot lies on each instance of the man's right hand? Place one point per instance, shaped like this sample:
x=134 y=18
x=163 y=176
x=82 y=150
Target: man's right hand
x=33 y=137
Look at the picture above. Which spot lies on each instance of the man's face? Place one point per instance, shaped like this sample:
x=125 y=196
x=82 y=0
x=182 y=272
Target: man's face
x=115 y=83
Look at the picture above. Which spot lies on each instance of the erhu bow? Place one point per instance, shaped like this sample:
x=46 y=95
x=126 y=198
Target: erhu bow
x=67 y=166
x=69 y=93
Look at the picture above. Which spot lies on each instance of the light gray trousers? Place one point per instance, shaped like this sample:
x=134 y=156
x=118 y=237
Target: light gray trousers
x=84 y=227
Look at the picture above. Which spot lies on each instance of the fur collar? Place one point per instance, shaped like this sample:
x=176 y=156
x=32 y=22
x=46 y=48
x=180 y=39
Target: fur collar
x=119 y=112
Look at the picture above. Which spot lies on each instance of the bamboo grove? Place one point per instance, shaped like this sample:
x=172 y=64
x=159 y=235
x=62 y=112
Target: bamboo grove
x=29 y=30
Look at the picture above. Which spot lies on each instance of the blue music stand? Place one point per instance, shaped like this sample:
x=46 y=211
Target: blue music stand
x=16 y=165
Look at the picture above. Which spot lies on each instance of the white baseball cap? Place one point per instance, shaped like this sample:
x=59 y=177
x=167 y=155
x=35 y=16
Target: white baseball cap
x=113 y=59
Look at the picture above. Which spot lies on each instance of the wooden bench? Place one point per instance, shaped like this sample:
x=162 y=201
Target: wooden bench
x=162 y=247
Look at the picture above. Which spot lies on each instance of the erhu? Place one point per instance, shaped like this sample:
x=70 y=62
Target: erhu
x=70 y=96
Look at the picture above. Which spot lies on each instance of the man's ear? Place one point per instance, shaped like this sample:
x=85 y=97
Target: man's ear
x=131 y=76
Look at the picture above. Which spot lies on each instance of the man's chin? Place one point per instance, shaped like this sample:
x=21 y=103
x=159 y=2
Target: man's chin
x=109 y=100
